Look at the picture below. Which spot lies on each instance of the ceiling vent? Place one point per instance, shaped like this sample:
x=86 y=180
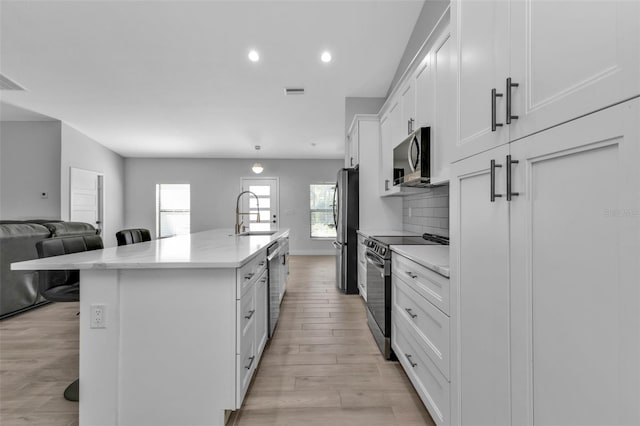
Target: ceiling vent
x=288 y=91
x=8 y=84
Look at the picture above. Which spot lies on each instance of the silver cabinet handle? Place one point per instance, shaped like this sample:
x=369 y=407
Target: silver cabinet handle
x=264 y=280
x=251 y=312
x=411 y=274
x=386 y=184
x=251 y=358
x=261 y=263
x=510 y=85
x=494 y=95
x=413 y=364
x=249 y=276
x=410 y=312
x=510 y=193
x=493 y=180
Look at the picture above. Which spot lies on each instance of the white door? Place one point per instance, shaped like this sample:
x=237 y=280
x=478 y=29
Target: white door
x=575 y=249
x=86 y=197
x=571 y=58
x=266 y=204
x=408 y=104
x=480 y=31
x=480 y=284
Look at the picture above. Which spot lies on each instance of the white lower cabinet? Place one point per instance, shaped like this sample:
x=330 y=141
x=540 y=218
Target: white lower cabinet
x=420 y=337
x=251 y=320
x=545 y=287
x=362 y=267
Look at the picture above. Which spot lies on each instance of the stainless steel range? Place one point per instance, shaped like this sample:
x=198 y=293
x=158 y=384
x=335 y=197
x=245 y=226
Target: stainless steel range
x=378 y=256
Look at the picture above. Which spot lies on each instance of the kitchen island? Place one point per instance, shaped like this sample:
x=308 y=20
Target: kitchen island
x=171 y=330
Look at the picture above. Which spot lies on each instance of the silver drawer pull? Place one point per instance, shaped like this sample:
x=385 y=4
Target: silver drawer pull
x=251 y=358
x=411 y=274
x=261 y=263
x=410 y=313
x=251 y=312
x=413 y=364
x=264 y=280
x=249 y=276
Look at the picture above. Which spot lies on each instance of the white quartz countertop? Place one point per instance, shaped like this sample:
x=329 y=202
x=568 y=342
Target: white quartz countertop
x=217 y=248
x=434 y=257
x=385 y=233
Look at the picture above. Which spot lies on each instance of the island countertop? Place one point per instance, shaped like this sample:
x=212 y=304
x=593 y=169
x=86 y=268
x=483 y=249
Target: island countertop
x=216 y=248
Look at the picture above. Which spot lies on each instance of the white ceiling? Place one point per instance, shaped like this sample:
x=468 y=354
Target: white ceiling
x=172 y=78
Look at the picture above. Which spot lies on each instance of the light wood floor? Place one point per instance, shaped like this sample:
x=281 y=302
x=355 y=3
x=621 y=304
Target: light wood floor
x=321 y=368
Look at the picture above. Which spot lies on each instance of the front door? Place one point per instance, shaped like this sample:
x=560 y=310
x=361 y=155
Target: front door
x=265 y=208
x=86 y=202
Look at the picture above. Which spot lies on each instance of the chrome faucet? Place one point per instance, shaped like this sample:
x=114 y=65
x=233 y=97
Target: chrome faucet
x=239 y=224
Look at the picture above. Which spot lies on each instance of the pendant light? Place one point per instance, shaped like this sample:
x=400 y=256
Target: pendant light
x=257 y=167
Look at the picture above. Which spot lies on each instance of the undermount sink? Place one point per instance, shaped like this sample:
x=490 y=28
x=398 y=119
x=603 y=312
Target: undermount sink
x=249 y=233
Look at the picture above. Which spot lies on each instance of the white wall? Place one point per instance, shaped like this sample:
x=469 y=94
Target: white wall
x=353 y=106
x=215 y=184
x=429 y=15
x=29 y=165
x=80 y=151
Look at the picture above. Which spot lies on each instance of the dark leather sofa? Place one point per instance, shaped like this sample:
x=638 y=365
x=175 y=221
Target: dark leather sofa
x=19 y=289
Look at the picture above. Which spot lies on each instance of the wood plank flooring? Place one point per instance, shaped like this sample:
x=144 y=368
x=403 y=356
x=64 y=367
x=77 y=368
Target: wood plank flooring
x=321 y=368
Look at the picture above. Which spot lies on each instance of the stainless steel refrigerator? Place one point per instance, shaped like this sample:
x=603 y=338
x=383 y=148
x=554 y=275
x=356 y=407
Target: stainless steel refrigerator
x=345 y=217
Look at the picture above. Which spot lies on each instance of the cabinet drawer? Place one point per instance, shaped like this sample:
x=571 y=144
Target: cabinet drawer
x=246 y=315
x=433 y=388
x=428 y=323
x=248 y=273
x=430 y=285
x=246 y=365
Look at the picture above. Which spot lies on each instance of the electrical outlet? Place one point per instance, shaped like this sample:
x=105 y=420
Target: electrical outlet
x=98 y=316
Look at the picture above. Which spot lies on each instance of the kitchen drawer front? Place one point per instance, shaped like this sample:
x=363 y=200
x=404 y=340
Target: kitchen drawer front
x=362 y=249
x=246 y=318
x=428 y=323
x=362 y=281
x=248 y=273
x=246 y=364
x=431 y=285
x=432 y=387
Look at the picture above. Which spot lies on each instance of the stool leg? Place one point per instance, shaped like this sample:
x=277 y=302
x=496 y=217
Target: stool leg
x=72 y=392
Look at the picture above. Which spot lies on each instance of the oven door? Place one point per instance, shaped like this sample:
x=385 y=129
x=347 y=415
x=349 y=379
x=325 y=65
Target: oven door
x=377 y=276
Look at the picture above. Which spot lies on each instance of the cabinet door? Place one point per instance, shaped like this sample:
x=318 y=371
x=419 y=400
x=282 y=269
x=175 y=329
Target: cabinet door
x=571 y=58
x=425 y=98
x=348 y=159
x=480 y=31
x=480 y=291
x=443 y=130
x=575 y=246
x=355 y=145
x=408 y=105
x=261 y=313
x=386 y=155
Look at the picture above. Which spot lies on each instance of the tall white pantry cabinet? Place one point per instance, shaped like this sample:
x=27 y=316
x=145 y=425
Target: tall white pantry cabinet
x=545 y=213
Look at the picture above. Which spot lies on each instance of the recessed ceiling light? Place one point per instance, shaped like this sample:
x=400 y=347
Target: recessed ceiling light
x=253 y=56
x=325 y=57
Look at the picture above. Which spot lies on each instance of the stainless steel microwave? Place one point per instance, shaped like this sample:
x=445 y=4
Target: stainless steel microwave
x=412 y=159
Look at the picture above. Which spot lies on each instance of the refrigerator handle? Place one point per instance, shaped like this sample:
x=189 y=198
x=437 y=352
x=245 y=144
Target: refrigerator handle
x=335 y=206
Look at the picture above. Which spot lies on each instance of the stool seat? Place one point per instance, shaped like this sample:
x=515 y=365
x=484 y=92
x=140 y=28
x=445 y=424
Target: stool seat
x=132 y=236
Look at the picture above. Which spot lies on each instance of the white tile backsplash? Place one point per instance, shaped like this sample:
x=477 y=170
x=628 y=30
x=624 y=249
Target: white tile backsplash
x=427 y=211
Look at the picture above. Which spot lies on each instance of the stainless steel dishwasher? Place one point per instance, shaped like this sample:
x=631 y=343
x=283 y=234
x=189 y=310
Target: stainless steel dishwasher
x=274 y=257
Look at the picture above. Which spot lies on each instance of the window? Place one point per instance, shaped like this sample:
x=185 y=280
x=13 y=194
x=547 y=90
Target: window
x=321 y=210
x=173 y=209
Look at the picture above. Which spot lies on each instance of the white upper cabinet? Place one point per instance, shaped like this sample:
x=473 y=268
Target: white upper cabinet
x=352 y=147
x=425 y=99
x=527 y=65
x=408 y=105
x=443 y=100
x=564 y=74
x=480 y=32
x=386 y=155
